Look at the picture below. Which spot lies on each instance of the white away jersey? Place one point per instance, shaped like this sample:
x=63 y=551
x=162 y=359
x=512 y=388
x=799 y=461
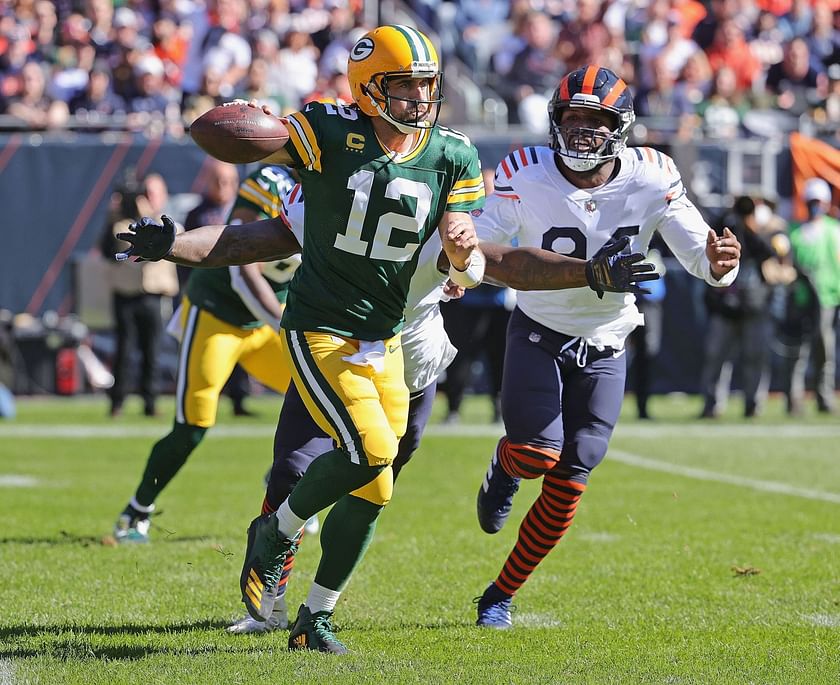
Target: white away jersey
x=427 y=350
x=536 y=206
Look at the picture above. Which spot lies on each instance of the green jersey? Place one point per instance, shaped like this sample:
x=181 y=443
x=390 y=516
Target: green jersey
x=368 y=212
x=816 y=250
x=212 y=289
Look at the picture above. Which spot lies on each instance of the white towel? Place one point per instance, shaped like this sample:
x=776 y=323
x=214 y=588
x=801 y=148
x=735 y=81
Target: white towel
x=371 y=353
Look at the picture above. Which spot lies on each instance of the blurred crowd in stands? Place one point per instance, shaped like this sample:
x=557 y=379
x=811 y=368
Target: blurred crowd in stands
x=154 y=65
x=696 y=68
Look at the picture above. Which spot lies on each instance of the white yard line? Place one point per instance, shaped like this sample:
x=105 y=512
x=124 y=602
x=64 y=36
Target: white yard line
x=706 y=431
x=79 y=432
x=9 y=480
x=716 y=477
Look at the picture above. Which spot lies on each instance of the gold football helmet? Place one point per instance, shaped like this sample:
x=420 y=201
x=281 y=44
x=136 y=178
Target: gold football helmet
x=388 y=52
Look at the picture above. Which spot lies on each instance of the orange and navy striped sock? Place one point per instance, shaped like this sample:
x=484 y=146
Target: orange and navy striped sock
x=268 y=508
x=545 y=523
x=525 y=461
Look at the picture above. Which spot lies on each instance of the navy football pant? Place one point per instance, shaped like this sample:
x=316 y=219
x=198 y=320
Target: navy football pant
x=561 y=395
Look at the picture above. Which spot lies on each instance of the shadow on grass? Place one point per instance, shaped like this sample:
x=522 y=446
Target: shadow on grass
x=77 y=642
x=65 y=538
x=59 y=629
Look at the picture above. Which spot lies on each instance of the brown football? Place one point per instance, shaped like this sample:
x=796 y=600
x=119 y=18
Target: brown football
x=237 y=133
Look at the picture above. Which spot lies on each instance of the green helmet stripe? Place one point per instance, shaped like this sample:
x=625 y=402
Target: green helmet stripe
x=418 y=46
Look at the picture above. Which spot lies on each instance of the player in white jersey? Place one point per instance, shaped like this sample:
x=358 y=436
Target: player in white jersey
x=564 y=368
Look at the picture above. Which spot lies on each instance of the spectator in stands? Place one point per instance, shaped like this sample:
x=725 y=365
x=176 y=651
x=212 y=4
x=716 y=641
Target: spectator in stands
x=138 y=289
x=480 y=26
x=170 y=45
x=674 y=52
x=256 y=87
x=97 y=101
x=32 y=106
x=738 y=328
x=298 y=62
x=798 y=82
x=706 y=28
x=815 y=296
x=730 y=49
x=225 y=49
x=152 y=104
x=823 y=39
x=533 y=74
x=101 y=15
x=45 y=29
x=797 y=22
x=696 y=78
x=585 y=39
x=668 y=104
x=724 y=110
x=767 y=43
x=208 y=96
x=832 y=101
x=19 y=47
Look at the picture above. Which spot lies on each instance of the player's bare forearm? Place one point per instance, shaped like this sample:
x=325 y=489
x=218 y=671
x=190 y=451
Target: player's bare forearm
x=530 y=268
x=212 y=246
x=457 y=235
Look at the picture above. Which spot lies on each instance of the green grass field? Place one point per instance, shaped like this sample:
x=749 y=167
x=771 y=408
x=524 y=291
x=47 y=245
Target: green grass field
x=703 y=552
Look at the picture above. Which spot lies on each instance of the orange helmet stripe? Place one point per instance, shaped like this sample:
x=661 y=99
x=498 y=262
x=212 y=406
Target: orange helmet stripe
x=589 y=79
x=615 y=93
x=564 y=88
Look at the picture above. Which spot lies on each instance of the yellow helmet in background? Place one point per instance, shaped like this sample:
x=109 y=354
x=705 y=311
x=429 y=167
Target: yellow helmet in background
x=387 y=52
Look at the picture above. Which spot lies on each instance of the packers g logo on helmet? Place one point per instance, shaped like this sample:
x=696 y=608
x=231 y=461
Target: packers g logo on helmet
x=389 y=52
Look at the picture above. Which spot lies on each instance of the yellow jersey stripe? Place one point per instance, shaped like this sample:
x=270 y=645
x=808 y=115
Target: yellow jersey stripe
x=304 y=140
x=455 y=198
x=465 y=182
x=256 y=187
x=270 y=209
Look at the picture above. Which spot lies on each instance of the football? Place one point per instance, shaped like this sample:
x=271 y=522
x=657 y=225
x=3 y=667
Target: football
x=237 y=133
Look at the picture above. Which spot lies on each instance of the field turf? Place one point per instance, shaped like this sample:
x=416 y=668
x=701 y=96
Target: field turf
x=703 y=552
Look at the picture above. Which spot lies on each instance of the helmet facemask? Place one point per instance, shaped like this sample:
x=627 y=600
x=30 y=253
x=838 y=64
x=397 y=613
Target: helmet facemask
x=426 y=112
x=586 y=149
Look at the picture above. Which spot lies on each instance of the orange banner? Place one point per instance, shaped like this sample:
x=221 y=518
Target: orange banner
x=812 y=158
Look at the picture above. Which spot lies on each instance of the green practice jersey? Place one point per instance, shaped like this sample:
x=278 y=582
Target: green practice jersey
x=368 y=212
x=211 y=289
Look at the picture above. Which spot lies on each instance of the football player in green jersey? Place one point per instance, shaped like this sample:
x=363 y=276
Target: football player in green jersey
x=228 y=315
x=385 y=176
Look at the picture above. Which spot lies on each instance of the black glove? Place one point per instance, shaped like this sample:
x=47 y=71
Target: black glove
x=613 y=272
x=150 y=241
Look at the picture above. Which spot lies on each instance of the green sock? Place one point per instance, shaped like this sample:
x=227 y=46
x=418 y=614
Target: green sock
x=345 y=537
x=327 y=480
x=168 y=456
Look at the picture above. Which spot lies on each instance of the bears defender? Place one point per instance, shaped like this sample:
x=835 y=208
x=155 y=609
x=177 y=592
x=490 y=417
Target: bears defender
x=564 y=373
x=228 y=315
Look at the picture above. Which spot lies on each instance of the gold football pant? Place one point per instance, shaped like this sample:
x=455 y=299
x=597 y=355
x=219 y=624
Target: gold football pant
x=210 y=349
x=365 y=410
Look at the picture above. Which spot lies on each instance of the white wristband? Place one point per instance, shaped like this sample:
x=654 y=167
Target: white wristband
x=472 y=275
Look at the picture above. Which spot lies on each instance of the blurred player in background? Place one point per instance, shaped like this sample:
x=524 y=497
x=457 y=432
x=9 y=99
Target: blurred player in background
x=228 y=315
x=564 y=372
